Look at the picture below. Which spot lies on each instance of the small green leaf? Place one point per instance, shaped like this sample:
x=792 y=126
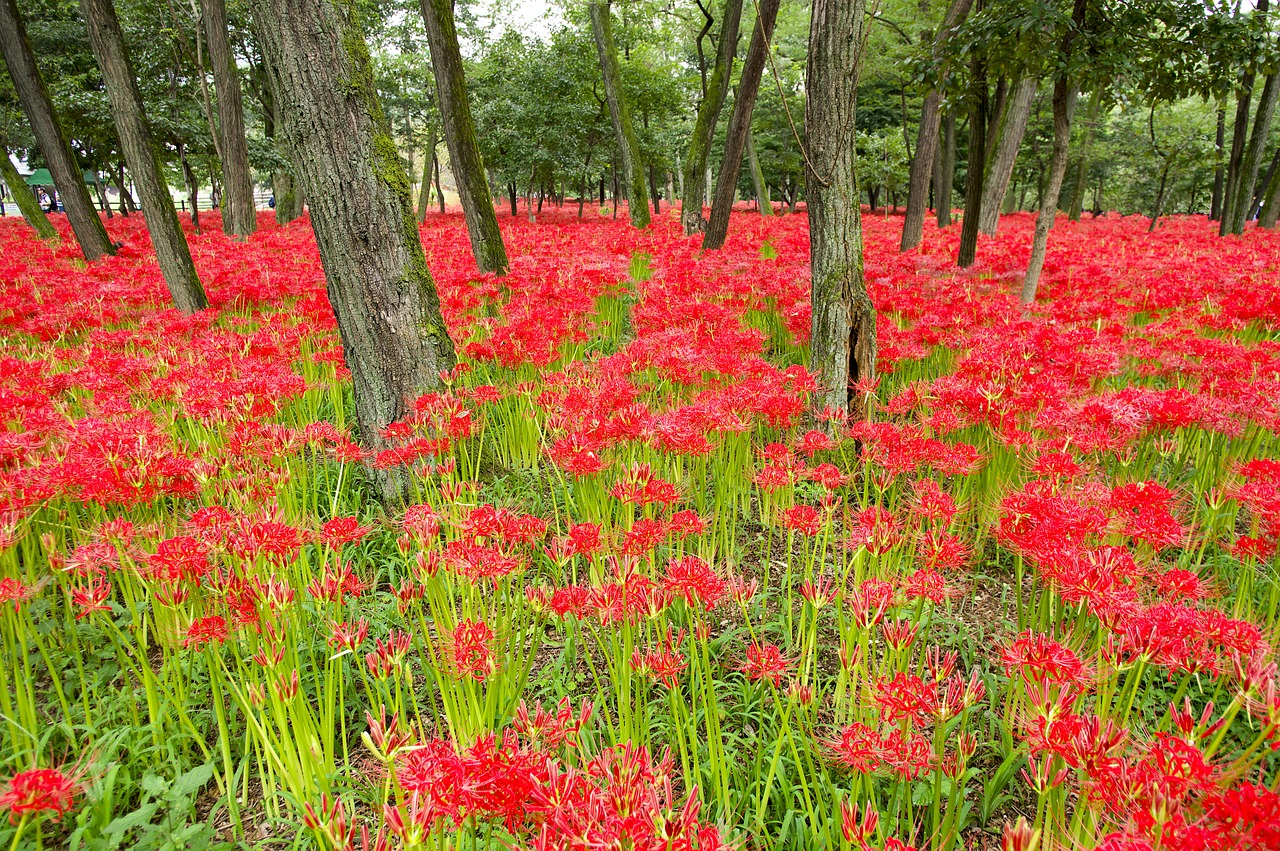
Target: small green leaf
x=142 y=815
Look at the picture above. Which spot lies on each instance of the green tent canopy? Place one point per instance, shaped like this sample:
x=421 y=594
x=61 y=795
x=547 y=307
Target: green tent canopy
x=41 y=177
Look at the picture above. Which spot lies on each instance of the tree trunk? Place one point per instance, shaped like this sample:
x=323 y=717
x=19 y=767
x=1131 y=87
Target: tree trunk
x=1000 y=162
x=1244 y=100
x=704 y=128
x=193 y=186
x=1260 y=191
x=1159 y=205
x=460 y=138
x=25 y=198
x=103 y=202
x=977 y=159
x=1242 y=195
x=757 y=177
x=428 y=169
x=34 y=96
x=946 y=170
x=1064 y=96
x=435 y=158
x=125 y=202
x=1215 y=201
x=735 y=139
x=1082 y=160
x=844 y=319
x=620 y=113
x=239 y=218
x=393 y=337
x=134 y=134
x=927 y=134
x=1271 y=207
x=653 y=190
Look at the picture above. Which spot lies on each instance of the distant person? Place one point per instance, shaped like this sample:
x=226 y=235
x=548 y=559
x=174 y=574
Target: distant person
x=271 y=202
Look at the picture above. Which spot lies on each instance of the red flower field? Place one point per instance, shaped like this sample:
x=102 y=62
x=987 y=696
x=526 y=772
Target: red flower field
x=639 y=601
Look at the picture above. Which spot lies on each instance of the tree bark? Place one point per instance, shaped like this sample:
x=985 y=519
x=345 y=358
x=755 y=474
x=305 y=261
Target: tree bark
x=428 y=169
x=460 y=138
x=1260 y=190
x=1251 y=162
x=1215 y=202
x=757 y=177
x=946 y=170
x=735 y=138
x=134 y=133
x=843 y=347
x=26 y=200
x=239 y=218
x=1082 y=161
x=1240 y=130
x=620 y=114
x=1001 y=161
x=1271 y=207
x=86 y=224
x=435 y=159
x=692 y=187
x=193 y=186
x=1158 y=208
x=1064 y=96
x=976 y=163
x=393 y=336
x=927 y=134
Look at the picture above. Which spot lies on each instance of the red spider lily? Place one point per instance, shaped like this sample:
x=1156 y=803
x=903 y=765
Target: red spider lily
x=469 y=650
x=204 y=631
x=342 y=530
x=387 y=656
x=853 y=830
x=349 y=636
x=17 y=592
x=695 y=581
x=804 y=519
x=180 y=558
x=92 y=598
x=551 y=731
x=766 y=662
x=36 y=791
x=664 y=665
x=1038 y=658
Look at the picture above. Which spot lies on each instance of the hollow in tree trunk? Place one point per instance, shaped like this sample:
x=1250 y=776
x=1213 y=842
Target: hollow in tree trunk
x=620 y=114
x=1000 y=162
x=922 y=164
x=692 y=187
x=134 y=133
x=460 y=138
x=393 y=337
x=52 y=140
x=239 y=218
x=843 y=343
x=735 y=138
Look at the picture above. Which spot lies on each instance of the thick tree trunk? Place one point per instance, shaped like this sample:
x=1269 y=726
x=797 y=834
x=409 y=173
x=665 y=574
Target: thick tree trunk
x=1260 y=190
x=1215 y=201
x=239 y=218
x=61 y=162
x=620 y=113
x=977 y=159
x=134 y=134
x=1082 y=160
x=1064 y=96
x=653 y=190
x=946 y=170
x=844 y=319
x=1000 y=162
x=1240 y=130
x=1251 y=162
x=735 y=138
x=393 y=337
x=1270 y=212
x=704 y=128
x=927 y=134
x=757 y=177
x=460 y=138
x=25 y=198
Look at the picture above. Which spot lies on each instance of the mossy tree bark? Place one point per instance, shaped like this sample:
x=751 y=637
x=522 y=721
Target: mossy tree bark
x=34 y=96
x=239 y=217
x=1001 y=160
x=735 y=137
x=25 y=198
x=393 y=336
x=620 y=113
x=134 y=134
x=844 y=319
x=922 y=164
x=692 y=187
x=460 y=138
